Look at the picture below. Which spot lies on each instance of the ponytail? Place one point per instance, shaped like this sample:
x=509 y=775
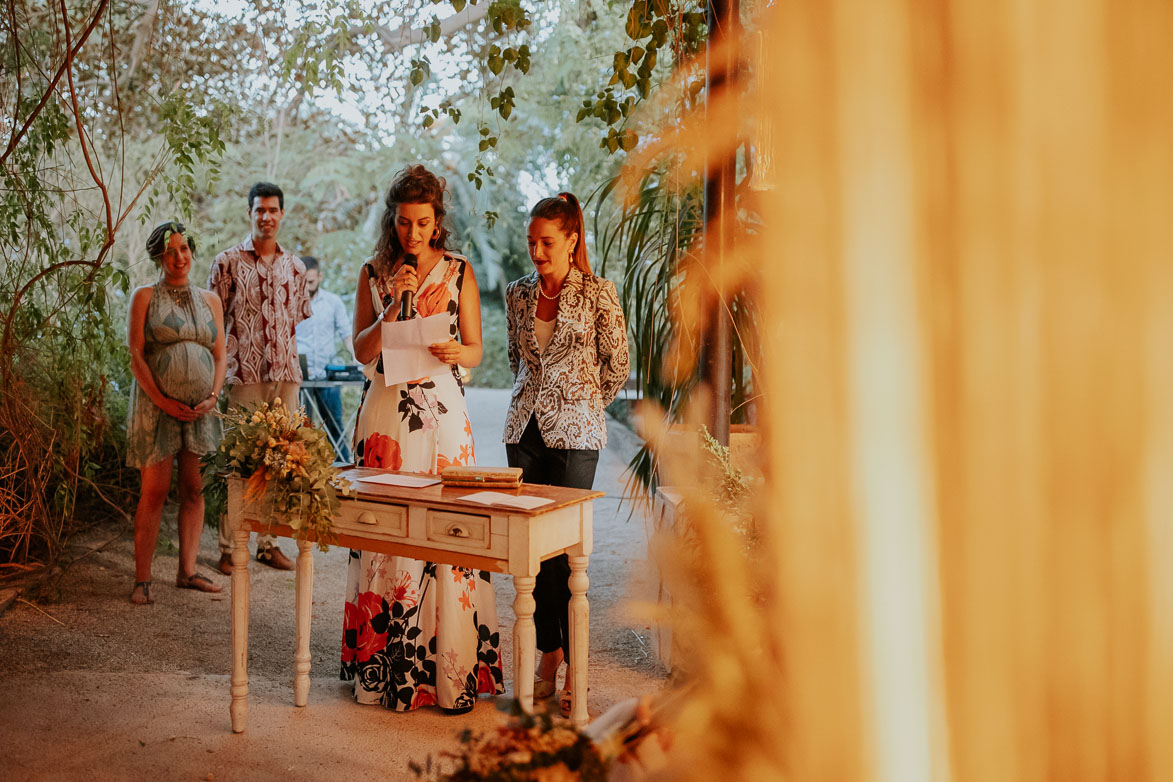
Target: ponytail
x=565 y=210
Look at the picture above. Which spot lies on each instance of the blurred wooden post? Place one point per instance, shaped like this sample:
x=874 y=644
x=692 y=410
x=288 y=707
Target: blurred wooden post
x=971 y=381
x=720 y=217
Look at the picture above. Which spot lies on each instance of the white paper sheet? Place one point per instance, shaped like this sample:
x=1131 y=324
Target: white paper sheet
x=509 y=500
x=405 y=348
x=411 y=481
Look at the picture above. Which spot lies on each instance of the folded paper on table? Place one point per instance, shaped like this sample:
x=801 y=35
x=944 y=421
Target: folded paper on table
x=405 y=348
x=511 y=500
x=411 y=481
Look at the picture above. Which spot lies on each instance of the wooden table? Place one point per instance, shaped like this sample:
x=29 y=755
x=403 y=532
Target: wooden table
x=433 y=524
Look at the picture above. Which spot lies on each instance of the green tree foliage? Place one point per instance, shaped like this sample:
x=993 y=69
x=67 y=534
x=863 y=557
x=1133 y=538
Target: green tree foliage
x=655 y=232
x=65 y=197
x=335 y=173
x=652 y=27
x=116 y=116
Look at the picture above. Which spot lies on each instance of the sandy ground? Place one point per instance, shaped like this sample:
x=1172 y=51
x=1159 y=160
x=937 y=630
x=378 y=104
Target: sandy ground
x=94 y=688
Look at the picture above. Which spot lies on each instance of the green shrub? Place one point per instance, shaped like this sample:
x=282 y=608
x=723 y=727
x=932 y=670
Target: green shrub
x=493 y=371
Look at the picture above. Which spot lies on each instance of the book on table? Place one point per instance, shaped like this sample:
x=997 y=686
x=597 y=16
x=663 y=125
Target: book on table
x=482 y=477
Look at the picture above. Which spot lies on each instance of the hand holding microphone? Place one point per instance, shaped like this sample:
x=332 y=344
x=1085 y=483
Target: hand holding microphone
x=410 y=264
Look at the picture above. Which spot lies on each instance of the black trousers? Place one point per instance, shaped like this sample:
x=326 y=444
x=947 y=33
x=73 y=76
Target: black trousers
x=569 y=467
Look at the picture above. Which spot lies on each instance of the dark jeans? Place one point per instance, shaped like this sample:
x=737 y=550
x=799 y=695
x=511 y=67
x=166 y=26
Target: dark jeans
x=554 y=467
x=329 y=401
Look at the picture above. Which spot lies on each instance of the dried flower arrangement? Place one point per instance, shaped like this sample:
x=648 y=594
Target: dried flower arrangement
x=529 y=748
x=287 y=464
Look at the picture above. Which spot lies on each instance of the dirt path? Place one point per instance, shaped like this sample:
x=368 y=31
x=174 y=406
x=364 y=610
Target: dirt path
x=94 y=688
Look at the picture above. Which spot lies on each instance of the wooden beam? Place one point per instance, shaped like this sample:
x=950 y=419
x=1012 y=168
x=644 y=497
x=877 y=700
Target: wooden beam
x=720 y=218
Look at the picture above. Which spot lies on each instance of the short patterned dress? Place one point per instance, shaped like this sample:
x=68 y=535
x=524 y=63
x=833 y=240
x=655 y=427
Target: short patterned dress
x=179 y=332
x=418 y=633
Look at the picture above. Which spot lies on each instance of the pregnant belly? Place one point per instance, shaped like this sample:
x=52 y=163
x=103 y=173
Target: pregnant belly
x=184 y=371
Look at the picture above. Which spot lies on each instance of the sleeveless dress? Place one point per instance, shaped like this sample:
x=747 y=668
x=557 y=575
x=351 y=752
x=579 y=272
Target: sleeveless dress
x=418 y=633
x=179 y=332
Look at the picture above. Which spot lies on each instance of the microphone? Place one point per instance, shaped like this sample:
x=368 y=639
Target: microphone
x=405 y=305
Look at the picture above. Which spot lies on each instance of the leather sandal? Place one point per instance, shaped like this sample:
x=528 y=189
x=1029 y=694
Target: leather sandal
x=274 y=558
x=225 y=564
x=566 y=701
x=146 y=587
x=196 y=581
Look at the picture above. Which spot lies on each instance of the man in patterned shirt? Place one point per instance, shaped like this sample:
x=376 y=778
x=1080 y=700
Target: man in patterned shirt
x=263 y=289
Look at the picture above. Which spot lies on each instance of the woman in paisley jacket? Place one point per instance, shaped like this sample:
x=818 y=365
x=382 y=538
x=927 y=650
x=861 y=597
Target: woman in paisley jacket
x=568 y=354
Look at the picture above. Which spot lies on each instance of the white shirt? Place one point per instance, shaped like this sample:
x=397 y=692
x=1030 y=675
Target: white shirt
x=543 y=330
x=319 y=334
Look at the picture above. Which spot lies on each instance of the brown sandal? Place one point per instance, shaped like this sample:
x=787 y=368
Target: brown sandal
x=196 y=581
x=145 y=586
x=566 y=701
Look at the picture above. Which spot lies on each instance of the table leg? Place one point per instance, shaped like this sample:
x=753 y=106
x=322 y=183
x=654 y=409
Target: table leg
x=580 y=614
x=239 y=706
x=304 y=601
x=525 y=641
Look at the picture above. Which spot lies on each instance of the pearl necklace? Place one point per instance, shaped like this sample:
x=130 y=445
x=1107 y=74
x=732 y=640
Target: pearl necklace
x=542 y=293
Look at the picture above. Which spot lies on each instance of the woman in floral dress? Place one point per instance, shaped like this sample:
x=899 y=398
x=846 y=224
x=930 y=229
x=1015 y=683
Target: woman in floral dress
x=417 y=633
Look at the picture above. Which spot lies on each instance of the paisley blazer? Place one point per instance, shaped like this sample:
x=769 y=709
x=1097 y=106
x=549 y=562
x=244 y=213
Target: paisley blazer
x=582 y=369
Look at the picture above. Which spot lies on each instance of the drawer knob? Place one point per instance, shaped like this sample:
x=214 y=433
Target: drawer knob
x=366 y=517
x=457 y=531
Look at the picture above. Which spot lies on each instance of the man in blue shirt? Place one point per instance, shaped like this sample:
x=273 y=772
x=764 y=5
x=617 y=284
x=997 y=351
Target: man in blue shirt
x=317 y=339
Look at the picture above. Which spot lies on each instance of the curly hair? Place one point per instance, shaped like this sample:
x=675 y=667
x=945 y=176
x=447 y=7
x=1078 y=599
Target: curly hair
x=565 y=210
x=413 y=185
x=159 y=239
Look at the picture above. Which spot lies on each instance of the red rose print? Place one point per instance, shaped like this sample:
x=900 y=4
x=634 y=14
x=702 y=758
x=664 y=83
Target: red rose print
x=383 y=452
x=485 y=683
x=369 y=642
x=370 y=605
x=423 y=697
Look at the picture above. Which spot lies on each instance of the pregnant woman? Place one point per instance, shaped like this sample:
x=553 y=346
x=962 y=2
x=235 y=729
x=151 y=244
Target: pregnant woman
x=176 y=339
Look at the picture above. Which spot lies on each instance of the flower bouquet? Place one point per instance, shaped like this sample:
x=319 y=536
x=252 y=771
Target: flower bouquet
x=530 y=748
x=628 y=742
x=287 y=465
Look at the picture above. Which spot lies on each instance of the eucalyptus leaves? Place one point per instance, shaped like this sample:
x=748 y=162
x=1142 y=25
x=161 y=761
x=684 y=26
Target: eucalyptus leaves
x=287 y=464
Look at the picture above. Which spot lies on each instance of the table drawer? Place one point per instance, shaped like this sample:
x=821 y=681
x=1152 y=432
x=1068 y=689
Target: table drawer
x=363 y=518
x=459 y=530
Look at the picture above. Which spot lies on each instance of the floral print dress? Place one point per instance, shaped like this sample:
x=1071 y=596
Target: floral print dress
x=418 y=633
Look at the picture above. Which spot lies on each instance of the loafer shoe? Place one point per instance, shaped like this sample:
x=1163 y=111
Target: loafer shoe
x=274 y=558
